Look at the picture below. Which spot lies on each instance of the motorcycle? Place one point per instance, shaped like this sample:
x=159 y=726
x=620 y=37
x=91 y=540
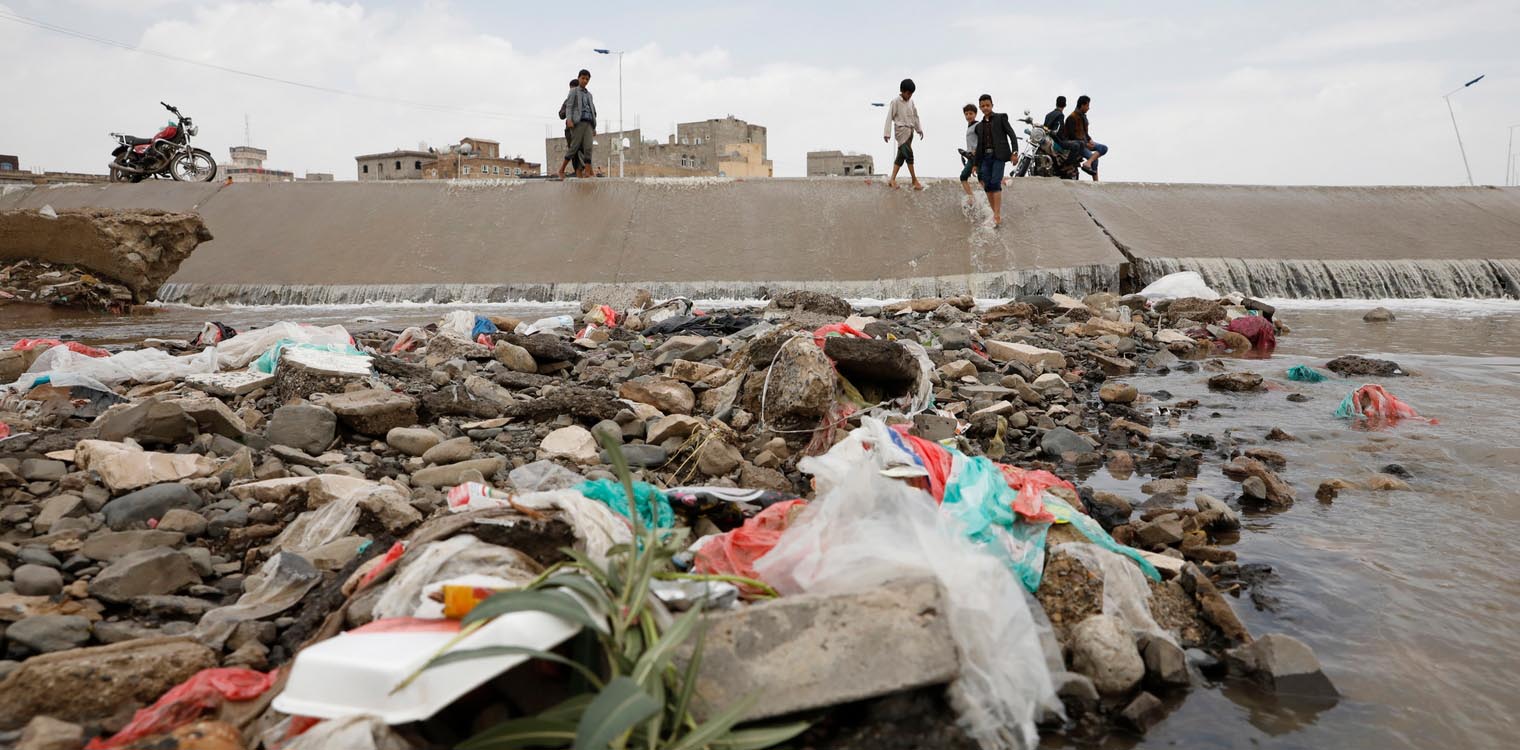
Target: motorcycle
x=1043 y=155
x=167 y=154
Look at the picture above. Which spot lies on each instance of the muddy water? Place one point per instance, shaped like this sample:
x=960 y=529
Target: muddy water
x=1409 y=598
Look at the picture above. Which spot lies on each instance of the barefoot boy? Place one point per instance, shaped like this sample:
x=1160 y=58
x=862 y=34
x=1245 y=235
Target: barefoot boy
x=902 y=123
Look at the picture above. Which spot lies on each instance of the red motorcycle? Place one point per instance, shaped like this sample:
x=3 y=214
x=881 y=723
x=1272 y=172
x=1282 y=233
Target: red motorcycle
x=167 y=154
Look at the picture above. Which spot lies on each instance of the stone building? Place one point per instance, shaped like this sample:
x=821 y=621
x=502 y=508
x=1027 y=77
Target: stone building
x=839 y=164
x=9 y=163
x=482 y=160
x=727 y=147
x=316 y=177
x=248 y=166
x=393 y=165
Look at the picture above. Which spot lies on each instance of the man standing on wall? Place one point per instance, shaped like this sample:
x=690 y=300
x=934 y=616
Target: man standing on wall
x=902 y=123
x=996 y=144
x=580 y=118
x=564 y=114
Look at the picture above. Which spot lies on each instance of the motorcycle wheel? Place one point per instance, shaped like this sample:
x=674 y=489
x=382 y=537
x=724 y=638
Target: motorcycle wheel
x=116 y=175
x=197 y=166
x=1023 y=167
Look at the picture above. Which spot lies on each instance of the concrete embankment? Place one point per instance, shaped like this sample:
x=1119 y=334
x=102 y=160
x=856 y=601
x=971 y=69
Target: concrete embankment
x=352 y=242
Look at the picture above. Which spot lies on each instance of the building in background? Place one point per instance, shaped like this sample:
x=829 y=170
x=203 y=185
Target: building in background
x=476 y=158
x=727 y=147
x=316 y=177
x=839 y=164
x=248 y=166
x=393 y=165
x=9 y=163
x=12 y=174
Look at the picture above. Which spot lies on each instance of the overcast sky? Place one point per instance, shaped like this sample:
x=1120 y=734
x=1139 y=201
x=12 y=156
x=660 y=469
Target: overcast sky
x=1288 y=92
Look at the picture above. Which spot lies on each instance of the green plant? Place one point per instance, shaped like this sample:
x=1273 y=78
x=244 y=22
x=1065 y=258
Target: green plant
x=642 y=700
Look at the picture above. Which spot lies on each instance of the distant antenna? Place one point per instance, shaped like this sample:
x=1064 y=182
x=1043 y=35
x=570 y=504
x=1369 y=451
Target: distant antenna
x=247 y=131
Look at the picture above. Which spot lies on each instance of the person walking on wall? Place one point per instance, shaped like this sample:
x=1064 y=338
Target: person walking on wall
x=571 y=156
x=580 y=118
x=968 y=155
x=902 y=123
x=996 y=144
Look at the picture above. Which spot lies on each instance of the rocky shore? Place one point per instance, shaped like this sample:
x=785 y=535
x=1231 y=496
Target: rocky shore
x=163 y=517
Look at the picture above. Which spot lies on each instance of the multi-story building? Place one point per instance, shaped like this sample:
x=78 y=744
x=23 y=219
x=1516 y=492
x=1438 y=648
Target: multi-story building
x=248 y=166
x=839 y=164
x=727 y=147
x=393 y=165
x=476 y=158
x=9 y=163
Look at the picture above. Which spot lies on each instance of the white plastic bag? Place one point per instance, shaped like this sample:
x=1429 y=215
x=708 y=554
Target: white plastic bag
x=141 y=366
x=459 y=324
x=236 y=352
x=546 y=325
x=1178 y=285
x=405 y=594
x=1126 y=594
x=865 y=529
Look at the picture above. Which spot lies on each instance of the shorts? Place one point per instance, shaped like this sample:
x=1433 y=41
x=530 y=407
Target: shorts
x=966 y=168
x=992 y=174
x=904 y=152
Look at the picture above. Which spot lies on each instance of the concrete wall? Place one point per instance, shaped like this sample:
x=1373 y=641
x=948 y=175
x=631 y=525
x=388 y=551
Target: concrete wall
x=712 y=237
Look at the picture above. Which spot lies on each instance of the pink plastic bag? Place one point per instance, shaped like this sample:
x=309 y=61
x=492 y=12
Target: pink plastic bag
x=734 y=552
x=1031 y=485
x=202 y=693
x=26 y=345
x=1259 y=330
x=836 y=329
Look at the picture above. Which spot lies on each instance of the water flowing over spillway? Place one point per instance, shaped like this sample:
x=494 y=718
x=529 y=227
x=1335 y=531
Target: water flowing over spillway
x=1346 y=279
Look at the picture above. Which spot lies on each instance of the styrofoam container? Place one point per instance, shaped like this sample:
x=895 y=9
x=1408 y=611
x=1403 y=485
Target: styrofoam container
x=354 y=673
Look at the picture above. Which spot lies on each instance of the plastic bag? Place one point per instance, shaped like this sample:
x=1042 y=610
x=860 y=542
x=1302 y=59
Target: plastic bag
x=546 y=325
x=26 y=345
x=1306 y=374
x=979 y=496
x=1090 y=528
x=458 y=324
x=1373 y=403
x=1126 y=595
x=141 y=365
x=409 y=340
x=654 y=508
x=1031 y=486
x=269 y=360
x=866 y=529
x=236 y=353
x=836 y=329
x=280 y=584
x=1259 y=330
x=734 y=552
x=405 y=594
x=542 y=476
x=349 y=733
x=1178 y=285
x=204 y=692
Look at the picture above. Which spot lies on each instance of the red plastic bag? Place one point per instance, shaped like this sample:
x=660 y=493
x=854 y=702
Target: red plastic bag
x=26 y=345
x=1031 y=485
x=935 y=459
x=1377 y=405
x=391 y=556
x=734 y=553
x=202 y=693
x=1260 y=331
x=836 y=329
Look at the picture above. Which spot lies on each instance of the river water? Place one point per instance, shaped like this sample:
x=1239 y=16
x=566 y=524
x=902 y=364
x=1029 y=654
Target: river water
x=1409 y=598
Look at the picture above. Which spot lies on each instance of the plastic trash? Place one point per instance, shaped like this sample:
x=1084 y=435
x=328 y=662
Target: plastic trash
x=546 y=325
x=865 y=529
x=405 y=594
x=836 y=329
x=597 y=528
x=270 y=359
x=1306 y=374
x=681 y=595
x=725 y=506
x=541 y=476
x=1178 y=285
x=141 y=365
x=203 y=693
x=654 y=509
x=733 y=553
x=1372 y=402
x=981 y=499
x=280 y=584
x=213 y=333
x=26 y=345
x=600 y=315
x=1126 y=595
x=1260 y=331
x=1094 y=532
x=409 y=340
x=349 y=733
x=354 y=673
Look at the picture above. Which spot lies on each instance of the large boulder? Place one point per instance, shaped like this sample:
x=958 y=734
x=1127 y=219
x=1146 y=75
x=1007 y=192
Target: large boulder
x=305 y=427
x=91 y=683
x=1284 y=664
x=150 y=423
x=798 y=389
x=1103 y=651
x=373 y=411
x=140 y=248
x=151 y=571
x=872 y=360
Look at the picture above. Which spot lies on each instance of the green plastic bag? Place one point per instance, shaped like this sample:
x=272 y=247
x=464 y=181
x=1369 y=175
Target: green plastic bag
x=1305 y=374
x=1095 y=533
x=654 y=507
x=979 y=496
x=271 y=358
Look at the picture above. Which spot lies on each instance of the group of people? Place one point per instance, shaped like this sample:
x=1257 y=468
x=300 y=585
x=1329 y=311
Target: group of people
x=991 y=141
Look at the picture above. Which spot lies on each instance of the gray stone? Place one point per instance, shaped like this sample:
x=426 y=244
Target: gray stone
x=166 y=607
x=666 y=394
x=37 y=580
x=717 y=458
x=235 y=383
x=825 y=650
x=305 y=427
x=1079 y=691
x=92 y=683
x=47 y=733
x=516 y=358
x=213 y=416
x=1118 y=393
x=450 y=451
x=801 y=389
x=1142 y=713
x=953 y=338
x=44 y=634
x=452 y=474
x=109 y=546
x=1237 y=382
x=42 y=470
x=934 y=427
x=1284 y=664
x=871 y=360
x=150 y=423
x=645 y=456
x=1060 y=441
x=1165 y=662
x=413 y=441
x=186 y=522
x=135 y=508
x=1213 y=513
x=1159 y=532
x=610 y=429
x=1379 y=315
x=37 y=556
x=373 y=411
x=1254 y=488
x=302 y=373
x=150 y=571
x=57 y=508
x=1103 y=650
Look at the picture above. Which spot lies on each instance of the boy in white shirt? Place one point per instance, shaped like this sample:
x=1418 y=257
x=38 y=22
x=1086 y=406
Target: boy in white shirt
x=902 y=123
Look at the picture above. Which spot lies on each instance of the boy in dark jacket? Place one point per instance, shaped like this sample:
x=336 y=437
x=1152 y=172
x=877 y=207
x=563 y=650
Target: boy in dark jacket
x=996 y=144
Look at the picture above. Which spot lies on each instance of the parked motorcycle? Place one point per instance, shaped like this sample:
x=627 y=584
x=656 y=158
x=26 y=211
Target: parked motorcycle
x=167 y=154
x=1043 y=156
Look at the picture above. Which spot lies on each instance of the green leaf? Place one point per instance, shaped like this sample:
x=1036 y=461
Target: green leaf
x=689 y=683
x=533 y=731
x=652 y=663
x=486 y=652
x=616 y=709
x=586 y=587
x=715 y=727
x=758 y=738
x=557 y=603
x=569 y=710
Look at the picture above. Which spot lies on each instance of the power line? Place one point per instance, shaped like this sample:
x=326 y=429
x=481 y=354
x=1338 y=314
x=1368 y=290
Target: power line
x=45 y=26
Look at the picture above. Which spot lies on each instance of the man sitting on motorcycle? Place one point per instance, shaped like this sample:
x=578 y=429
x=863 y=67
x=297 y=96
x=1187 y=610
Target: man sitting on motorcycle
x=1075 y=129
x=1056 y=117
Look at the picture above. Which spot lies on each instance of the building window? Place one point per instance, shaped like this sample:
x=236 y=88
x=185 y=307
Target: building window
x=417 y=164
x=398 y=164
x=516 y=171
x=495 y=170
x=464 y=170
x=366 y=169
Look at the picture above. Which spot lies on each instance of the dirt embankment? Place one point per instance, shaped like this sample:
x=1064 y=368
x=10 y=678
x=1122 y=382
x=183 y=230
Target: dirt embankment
x=139 y=249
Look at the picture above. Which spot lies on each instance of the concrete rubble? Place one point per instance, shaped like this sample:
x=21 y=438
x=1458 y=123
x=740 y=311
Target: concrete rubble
x=233 y=519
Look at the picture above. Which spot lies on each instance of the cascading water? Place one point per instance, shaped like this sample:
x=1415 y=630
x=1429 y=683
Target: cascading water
x=1345 y=279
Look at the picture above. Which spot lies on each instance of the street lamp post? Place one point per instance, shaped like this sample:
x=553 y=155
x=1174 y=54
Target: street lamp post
x=619 y=54
x=1453 y=113
x=1509 y=159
